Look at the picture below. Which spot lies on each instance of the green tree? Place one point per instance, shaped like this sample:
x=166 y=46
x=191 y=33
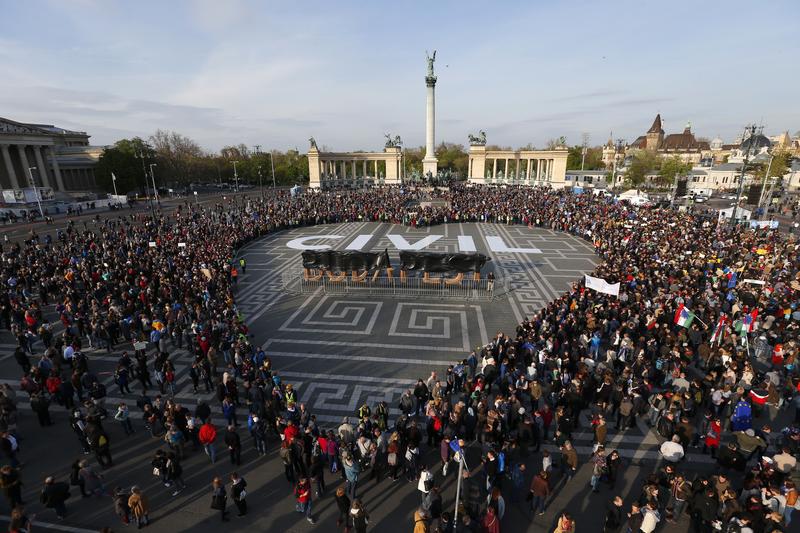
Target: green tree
x=453 y=157
x=593 y=160
x=178 y=157
x=643 y=162
x=671 y=168
x=780 y=166
x=120 y=159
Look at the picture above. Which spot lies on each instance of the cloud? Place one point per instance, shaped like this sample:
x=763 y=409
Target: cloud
x=585 y=96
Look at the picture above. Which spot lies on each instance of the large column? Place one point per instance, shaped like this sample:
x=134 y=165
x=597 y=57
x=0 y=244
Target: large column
x=494 y=168
x=354 y=168
x=42 y=168
x=364 y=165
x=430 y=163
x=12 y=176
x=25 y=163
x=56 y=170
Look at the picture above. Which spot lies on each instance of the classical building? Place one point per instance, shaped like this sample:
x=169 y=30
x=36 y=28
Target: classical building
x=336 y=170
x=56 y=159
x=517 y=167
x=683 y=145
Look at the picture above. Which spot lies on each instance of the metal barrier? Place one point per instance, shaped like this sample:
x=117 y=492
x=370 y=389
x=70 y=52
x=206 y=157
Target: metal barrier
x=296 y=282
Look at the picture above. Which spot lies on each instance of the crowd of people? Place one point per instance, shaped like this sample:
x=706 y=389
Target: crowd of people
x=701 y=342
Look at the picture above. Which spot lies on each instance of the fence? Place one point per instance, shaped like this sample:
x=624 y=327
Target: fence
x=295 y=282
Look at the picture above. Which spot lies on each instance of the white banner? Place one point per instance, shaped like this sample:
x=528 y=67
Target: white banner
x=601 y=285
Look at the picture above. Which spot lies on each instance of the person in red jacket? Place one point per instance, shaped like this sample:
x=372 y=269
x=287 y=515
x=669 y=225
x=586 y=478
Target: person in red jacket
x=712 y=437
x=207 y=435
x=290 y=432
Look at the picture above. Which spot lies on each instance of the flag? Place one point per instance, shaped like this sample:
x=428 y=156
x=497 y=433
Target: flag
x=719 y=330
x=684 y=317
x=601 y=285
x=732 y=281
x=749 y=320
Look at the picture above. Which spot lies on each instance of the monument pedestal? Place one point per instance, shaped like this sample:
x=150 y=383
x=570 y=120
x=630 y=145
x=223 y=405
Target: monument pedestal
x=430 y=165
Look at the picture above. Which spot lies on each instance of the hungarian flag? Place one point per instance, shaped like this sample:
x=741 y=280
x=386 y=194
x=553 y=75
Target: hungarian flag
x=719 y=330
x=684 y=317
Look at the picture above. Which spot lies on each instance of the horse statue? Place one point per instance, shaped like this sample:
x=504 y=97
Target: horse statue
x=478 y=140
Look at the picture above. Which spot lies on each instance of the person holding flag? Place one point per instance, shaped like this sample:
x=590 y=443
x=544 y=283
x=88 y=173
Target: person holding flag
x=684 y=317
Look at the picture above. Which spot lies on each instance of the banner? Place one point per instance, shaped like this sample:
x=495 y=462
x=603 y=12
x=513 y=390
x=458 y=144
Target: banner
x=442 y=262
x=601 y=285
x=761 y=224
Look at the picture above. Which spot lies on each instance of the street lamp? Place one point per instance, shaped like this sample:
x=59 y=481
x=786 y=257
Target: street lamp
x=153 y=177
x=35 y=190
x=272 y=164
x=236 y=176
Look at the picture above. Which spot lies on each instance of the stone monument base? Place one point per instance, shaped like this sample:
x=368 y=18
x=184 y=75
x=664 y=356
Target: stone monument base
x=430 y=165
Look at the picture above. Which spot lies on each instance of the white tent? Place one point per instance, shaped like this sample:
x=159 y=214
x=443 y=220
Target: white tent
x=741 y=213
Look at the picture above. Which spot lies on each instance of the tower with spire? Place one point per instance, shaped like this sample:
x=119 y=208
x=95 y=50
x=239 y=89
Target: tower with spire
x=655 y=135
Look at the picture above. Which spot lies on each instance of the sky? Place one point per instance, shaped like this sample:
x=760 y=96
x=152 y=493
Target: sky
x=226 y=72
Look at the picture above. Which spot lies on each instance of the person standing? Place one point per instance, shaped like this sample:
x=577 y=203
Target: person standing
x=174 y=472
x=11 y=483
x=219 y=498
x=614 y=515
x=54 y=495
x=357 y=518
x=234 y=444
x=565 y=524
x=123 y=417
x=302 y=493
x=139 y=507
x=343 y=503
x=238 y=493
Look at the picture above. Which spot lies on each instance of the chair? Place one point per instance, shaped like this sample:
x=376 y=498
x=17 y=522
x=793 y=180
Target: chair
x=311 y=274
x=454 y=281
x=337 y=278
x=426 y=278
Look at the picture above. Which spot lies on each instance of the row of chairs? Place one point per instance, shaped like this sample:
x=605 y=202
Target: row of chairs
x=311 y=274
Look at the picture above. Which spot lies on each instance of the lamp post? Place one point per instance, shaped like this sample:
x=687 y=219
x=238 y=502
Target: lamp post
x=272 y=164
x=153 y=177
x=236 y=176
x=35 y=190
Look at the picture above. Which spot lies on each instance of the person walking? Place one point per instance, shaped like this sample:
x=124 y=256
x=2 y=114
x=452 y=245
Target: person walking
x=174 y=472
x=123 y=417
x=540 y=490
x=207 y=435
x=238 y=493
x=91 y=480
x=139 y=507
x=219 y=498
x=54 y=495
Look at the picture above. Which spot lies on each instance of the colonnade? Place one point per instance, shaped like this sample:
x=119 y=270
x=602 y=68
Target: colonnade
x=18 y=165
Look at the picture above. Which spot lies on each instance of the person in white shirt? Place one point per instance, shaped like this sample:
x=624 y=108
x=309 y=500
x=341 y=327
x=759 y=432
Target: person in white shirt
x=672 y=450
x=651 y=518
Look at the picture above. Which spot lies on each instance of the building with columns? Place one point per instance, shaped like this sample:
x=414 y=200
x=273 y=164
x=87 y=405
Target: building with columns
x=64 y=161
x=518 y=167
x=346 y=170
